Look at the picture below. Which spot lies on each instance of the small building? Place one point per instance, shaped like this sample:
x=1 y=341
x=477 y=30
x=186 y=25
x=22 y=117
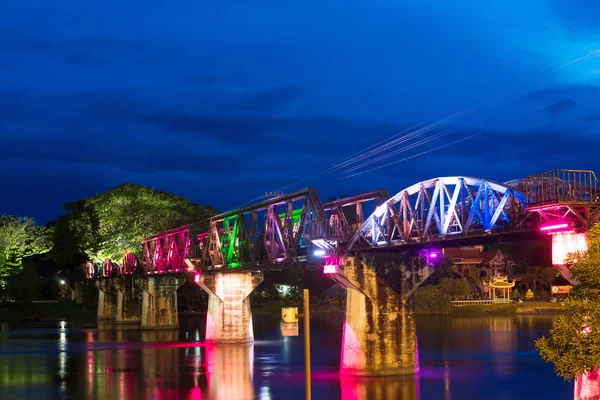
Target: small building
x=499 y=287
x=477 y=264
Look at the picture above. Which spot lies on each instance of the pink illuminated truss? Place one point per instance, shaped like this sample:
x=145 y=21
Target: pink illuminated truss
x=555 y=226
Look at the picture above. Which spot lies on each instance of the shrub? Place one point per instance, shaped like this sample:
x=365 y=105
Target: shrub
x=431 y=300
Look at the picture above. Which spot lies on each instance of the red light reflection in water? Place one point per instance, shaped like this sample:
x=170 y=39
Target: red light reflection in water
x=196 y=394
x=390 y=388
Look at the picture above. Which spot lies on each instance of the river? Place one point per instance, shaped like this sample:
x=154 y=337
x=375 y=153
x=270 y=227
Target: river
x=461 y=358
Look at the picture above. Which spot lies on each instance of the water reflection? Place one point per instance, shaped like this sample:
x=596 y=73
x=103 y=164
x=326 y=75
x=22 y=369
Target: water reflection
x=388 y=388
x=229 y=369
x=155 y=365
x=460 y=358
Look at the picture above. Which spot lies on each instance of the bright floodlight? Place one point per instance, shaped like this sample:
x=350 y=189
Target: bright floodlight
x=319 y=252
x=433 y=255
x=330 y=269
x=62 y=282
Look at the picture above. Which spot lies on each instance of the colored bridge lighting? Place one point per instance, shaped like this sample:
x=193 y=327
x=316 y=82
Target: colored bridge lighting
x=330 y=269
x=196 y=278
x=554 y=227
x=319 y=252
x=433 y=255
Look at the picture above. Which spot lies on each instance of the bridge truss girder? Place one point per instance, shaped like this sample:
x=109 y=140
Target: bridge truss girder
x=267 y=232
x=167 y=251
x=442 y=208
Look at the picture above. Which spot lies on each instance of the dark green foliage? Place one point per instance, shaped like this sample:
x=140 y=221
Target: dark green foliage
x=454 y=287
x=569 y=348
x=23 y=286
x=430 y=299
x=113 y=223
x=574 y=343
x=20 y=237
x=547 y=276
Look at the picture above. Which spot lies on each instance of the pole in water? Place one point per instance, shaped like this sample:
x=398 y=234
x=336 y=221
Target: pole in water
x=307 y=345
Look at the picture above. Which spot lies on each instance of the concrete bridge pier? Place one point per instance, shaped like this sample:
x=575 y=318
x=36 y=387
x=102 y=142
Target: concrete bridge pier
x=379 y=330
x=159 y=301
x=229 y=316
x=106 y=300
x=128 y=307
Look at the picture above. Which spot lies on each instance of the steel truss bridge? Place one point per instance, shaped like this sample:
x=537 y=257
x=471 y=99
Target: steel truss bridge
x=293 y=228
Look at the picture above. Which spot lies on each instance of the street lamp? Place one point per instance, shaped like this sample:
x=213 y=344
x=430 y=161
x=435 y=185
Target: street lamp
x=62 y=282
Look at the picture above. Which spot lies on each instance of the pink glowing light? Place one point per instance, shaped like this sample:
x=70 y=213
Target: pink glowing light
x=567 y=242
x=196 y=278
x=587 y=386
x=433 y=255
x=330 y=269
x=554 y=227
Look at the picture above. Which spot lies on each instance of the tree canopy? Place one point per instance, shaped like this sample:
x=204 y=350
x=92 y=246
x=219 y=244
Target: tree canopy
x=574 y=343
x=114 y=222
x=20 y=237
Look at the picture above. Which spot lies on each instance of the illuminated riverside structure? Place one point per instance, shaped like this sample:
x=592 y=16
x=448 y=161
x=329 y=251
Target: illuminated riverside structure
x=379 y=260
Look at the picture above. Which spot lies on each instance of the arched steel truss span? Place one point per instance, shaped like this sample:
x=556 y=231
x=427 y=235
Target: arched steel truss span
x=442 y=208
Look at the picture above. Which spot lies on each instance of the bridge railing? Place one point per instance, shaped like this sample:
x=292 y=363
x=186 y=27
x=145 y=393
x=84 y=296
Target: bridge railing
x=462 y=303
x=561 y=186
x=332 y=229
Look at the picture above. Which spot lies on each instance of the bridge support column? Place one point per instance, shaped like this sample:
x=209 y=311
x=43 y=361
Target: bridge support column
x=379 y=330
x=159 y=301
x=128 y=309
x=229 y=317
x=106 y=300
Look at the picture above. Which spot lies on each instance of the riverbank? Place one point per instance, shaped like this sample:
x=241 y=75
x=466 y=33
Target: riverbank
x=46 y=310
x=76 y=313
x=525 y=308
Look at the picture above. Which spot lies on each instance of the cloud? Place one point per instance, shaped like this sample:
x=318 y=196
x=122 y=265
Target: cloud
x=270 y=99
x=560 y=106
x=85 y=60
x=580 y=16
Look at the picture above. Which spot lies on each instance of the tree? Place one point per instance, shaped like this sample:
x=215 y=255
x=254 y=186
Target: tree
x=20 y=237
x=114 y=223
x=547 y=276
x=515 y=294
x=574 y=343
x=429 y=299
x=454 y=287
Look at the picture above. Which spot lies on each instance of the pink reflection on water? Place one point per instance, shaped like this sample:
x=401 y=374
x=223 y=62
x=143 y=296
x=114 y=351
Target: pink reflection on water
x=404 y=387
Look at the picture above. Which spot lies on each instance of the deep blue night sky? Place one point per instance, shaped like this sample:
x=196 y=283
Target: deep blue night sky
x=224 y=101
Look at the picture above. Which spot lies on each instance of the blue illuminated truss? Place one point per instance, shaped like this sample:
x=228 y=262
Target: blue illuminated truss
x=440 y=208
